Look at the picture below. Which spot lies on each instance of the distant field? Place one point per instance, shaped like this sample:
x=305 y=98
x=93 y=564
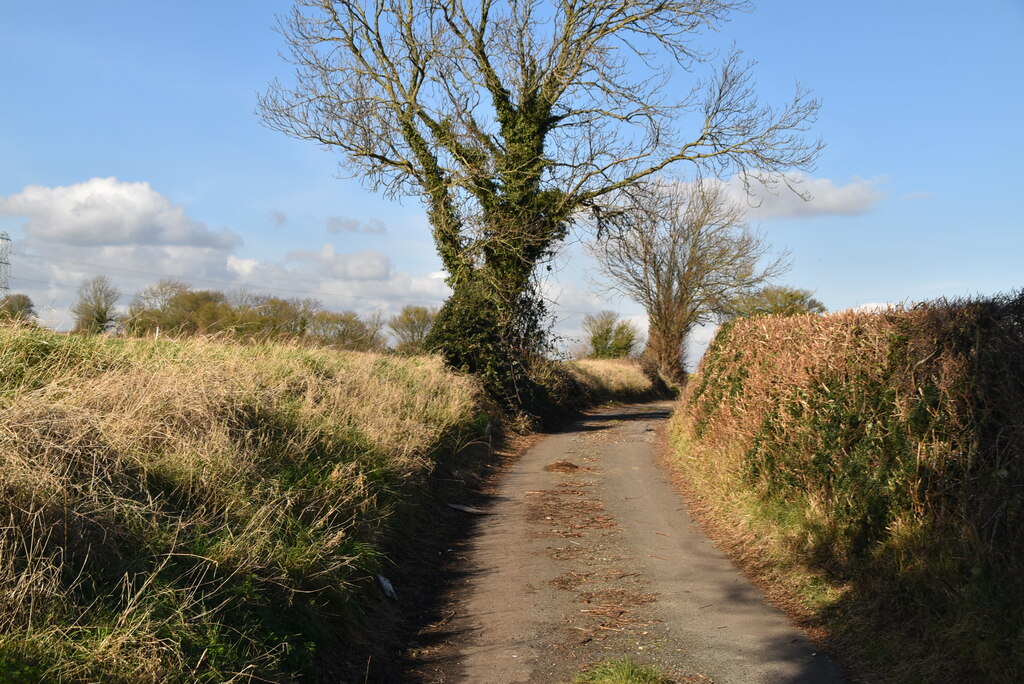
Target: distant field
x=203 y=511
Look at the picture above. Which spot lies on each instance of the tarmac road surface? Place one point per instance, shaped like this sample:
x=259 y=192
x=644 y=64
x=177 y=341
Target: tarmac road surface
x=589 y=553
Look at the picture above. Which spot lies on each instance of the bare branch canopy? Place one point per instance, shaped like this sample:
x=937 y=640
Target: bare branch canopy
x=513 y=119
x=684 y=252
x=469 y=104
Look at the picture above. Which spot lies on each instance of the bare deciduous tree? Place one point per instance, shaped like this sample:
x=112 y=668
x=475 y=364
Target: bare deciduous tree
x=514 y=118
x=411 y=326
x=94 y=310
x=774 y=300
x=346 y=330
x=684 y=252
x=149 y=309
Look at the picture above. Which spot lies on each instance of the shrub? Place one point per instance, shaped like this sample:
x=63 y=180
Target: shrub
x=609 y=337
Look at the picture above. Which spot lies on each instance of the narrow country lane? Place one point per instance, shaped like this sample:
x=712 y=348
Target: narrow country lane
x=588 y=553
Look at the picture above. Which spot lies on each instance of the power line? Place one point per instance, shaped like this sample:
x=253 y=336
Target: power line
x=43 y=282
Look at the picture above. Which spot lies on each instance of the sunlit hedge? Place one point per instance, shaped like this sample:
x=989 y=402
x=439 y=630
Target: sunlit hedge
x=886 y=449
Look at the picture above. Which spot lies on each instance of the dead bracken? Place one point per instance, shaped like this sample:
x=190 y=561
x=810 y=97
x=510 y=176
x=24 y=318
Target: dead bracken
x=571 y=580
x=617 y=597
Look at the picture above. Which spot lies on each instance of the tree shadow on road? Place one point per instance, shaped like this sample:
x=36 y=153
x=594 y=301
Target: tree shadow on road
x=606 y=419
x=407 y=639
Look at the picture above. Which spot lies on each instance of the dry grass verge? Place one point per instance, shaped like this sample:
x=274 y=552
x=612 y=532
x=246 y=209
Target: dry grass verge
x=617 y=378
x=872 y=463
x=576 y=385
x=203 y=511
x=183 y=511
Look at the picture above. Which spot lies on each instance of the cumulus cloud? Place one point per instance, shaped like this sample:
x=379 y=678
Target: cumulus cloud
x=243 y=267
x=106 y=211
x=363 y=265
x=568 y=296
x=337 y=291
x=337 y=224
x=135 y=235
x=875 y=307
x=857 y=197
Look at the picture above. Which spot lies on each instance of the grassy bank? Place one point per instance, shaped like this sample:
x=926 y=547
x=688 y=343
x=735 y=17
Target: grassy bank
x=871 y=464
x=618 y=380
x=199 y=511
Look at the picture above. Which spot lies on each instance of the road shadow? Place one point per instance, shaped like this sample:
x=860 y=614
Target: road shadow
x=406 y=639
x=735 y=600
x=605 y=419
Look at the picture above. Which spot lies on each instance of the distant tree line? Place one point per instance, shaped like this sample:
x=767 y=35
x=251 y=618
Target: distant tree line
x=172 y=308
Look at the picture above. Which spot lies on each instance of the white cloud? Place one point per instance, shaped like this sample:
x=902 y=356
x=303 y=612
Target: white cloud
x=337 y=224
x=243 y=267
x=338 y=292
x=857 y=197
x=106 y=211
x=875 y=307
x=697 y=344
x=570 y=297
x=363 y=265
x=135 y=235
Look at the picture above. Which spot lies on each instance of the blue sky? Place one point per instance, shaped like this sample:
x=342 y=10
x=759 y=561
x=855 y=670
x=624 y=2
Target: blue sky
x=129 y=146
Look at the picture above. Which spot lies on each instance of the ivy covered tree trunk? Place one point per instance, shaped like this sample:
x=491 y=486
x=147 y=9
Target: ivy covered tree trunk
x=493 y=335
x=494 y=323
x=665 y=348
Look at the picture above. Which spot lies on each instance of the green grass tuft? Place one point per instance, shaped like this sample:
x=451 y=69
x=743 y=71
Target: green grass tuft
x=621 y=671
